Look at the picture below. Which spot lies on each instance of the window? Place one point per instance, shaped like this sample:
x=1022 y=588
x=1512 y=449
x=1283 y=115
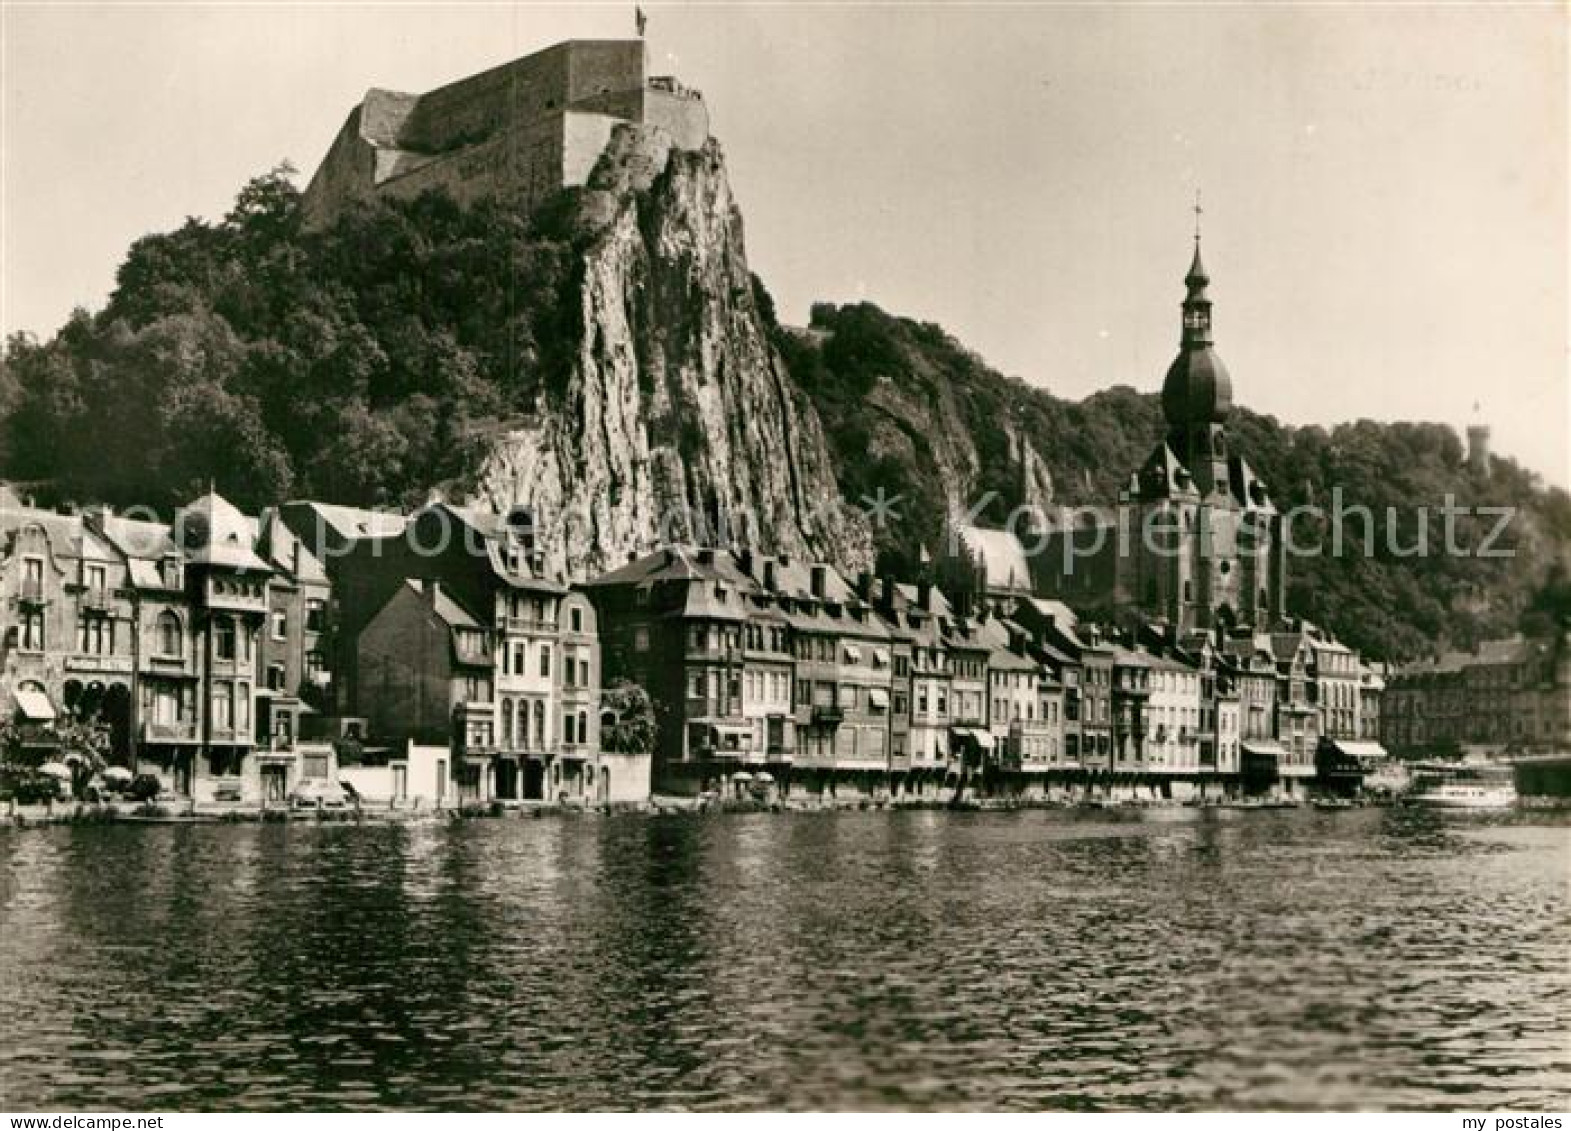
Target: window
x=315 y=665
x=95 y=636
x=545 y=660
x=280 y=624
x=315 y=614
x=224 y=639
x=222 y=707
x=242 y=706
x=276 y=678
x=33 y=577
x=95 y=579
x=31 y=638
x=169 y=642
x=569 y=724
x=577 y=620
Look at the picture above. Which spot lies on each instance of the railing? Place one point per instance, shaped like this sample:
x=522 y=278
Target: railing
x=832 y=715
x=168 y=732
x=98 y=600
x=509 y=623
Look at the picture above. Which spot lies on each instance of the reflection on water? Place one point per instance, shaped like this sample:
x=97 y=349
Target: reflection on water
x=882 y=960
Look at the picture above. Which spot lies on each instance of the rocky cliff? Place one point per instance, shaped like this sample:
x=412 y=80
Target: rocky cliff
x=677 y=418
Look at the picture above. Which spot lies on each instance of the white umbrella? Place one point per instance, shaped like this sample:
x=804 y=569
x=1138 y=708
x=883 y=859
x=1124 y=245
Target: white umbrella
x=742 y=776
x=56 y=770
x=764 y=776
x=117 y=773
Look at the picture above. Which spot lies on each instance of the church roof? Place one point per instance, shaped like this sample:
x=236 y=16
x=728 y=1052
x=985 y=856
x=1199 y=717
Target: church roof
x=999 y=554
x=1164 y=475
x=1198 y=389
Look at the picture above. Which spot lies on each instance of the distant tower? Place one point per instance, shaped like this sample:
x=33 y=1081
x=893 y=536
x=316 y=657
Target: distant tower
x=1478 y=444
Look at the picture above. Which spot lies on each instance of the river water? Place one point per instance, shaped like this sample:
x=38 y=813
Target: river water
x=1164 y=959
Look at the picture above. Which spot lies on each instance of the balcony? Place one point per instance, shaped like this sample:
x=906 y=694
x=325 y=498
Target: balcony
x=95 y=600
x=31 y=591
x=508 y=623
x=703 y=707
x=169 y=732
x=827 y=715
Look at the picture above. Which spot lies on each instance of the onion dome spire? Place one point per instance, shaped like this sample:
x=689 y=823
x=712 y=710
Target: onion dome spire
x=1197 y=391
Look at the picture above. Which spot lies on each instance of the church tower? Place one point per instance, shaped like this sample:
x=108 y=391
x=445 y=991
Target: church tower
x=1198 y=393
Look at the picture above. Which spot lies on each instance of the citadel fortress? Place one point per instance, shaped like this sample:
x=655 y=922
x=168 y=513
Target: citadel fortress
x=521 y=131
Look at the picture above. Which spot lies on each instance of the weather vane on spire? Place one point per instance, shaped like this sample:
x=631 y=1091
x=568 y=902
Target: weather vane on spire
x=1198 y=211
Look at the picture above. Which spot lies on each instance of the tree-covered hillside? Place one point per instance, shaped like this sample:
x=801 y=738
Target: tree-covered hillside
x=904 y=404
x=359 y=364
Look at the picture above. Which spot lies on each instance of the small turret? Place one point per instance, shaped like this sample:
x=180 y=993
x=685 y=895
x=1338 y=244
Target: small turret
x=1478 y=456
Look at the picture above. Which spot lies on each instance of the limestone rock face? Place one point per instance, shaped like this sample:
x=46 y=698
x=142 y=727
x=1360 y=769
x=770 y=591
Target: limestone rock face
x=678 y=420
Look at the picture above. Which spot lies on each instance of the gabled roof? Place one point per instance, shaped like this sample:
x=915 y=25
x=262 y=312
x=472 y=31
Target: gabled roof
x=675 y=563
x=450 y=611
x=354 y=523
x=1163 y=475
x=286 y=552
x=998 y=554
x=217 y=533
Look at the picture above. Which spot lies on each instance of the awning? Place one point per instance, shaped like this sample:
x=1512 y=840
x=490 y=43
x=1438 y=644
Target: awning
x=1363 y=751
x=881 y=657
x=738 y=729
x=1268 y=749
x=853 y=654
x=35 y=705
x=972 y=734
x=878 y=697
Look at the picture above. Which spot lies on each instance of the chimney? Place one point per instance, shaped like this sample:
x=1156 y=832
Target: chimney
x=771 y=582
x=820 y=577
x=745 y=560
x=864 y=585
x=887 y=593
x=924 y=595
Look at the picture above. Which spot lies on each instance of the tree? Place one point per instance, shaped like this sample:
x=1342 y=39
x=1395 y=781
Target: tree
x=27 y=747
x=627 y=720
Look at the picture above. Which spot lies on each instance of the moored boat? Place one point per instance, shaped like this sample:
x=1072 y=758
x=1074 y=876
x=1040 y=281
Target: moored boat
x=1464 y=785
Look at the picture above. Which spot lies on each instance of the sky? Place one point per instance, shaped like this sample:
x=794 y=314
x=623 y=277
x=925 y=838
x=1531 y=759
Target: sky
x=1384 y=187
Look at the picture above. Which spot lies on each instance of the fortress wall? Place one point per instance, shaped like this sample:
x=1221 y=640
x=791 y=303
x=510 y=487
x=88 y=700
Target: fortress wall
x=468 y=110
x=383 y=114
x=346 y=173
x=625 y=104
x=546 y=83
x=522 y=165
x=684 y=117
x=584 y=138
x=603 y=66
